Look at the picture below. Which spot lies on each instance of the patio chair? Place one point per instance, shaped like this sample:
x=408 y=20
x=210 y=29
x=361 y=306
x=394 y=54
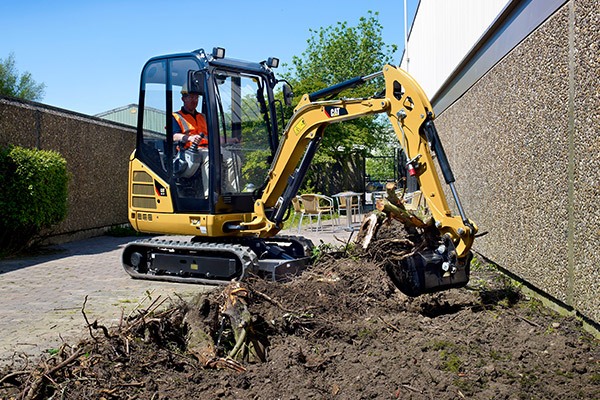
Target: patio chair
x=355 y=208
x=412 y=201
x=371 y=200
x=298 y=211
x=314 y=206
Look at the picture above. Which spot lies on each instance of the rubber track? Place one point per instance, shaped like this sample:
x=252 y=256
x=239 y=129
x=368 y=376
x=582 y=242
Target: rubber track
x=246 y=256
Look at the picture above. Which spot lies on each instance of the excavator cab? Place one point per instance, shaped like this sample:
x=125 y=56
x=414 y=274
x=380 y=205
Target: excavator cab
x=238 y=105
x=206 y=192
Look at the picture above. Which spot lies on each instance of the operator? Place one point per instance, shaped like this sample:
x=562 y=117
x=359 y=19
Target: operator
x=189 y=127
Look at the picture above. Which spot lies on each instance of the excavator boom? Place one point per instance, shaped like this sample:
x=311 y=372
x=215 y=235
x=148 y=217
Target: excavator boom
x=411 y=115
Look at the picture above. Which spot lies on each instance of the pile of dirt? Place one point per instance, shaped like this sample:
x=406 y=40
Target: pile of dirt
x=341 y=330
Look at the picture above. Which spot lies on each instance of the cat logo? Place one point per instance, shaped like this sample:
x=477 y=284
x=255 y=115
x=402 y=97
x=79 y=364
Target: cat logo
x=333 y=111
x=160 y=189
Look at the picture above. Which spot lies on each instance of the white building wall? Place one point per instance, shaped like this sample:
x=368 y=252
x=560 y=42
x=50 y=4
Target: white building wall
x=442 y=34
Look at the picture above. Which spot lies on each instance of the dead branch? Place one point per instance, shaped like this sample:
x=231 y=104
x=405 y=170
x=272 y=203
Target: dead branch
x=93 y=324
x=532 y=323
x=155 y=304
x=411 y=388
x=369 y=228
x=66 y=362
x=104 y=329
x=390 y=189
x=31 y=391
x=399 y=213
x=225 y=363
x=142 y=317
x=87 y=322
x=13 y=375
x=389 y=325
x=139 y=304
x=270 y=300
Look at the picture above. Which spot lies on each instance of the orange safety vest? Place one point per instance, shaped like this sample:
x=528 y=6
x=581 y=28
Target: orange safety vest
x=191 y=125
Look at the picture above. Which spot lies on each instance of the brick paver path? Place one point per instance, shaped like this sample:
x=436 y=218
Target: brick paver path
x=41 y=297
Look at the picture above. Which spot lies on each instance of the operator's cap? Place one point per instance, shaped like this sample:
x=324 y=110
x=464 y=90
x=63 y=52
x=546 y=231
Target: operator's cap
x=185 y=89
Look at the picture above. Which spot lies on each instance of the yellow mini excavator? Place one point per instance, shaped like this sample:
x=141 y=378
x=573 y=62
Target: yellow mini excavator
x=233 y=195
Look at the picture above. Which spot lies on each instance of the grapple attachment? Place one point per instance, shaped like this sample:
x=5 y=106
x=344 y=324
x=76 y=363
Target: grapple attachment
x=431 y=271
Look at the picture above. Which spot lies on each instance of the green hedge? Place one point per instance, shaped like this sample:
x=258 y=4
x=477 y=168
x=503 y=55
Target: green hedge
x=33 y=194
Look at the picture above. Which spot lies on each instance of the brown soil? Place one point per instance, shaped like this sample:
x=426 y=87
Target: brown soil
x=341 y=330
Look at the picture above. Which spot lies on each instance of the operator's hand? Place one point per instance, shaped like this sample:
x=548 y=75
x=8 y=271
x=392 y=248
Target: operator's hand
x=194 y=139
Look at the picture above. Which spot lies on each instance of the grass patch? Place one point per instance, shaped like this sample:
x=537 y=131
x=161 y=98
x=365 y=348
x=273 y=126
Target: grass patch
x=449 y=356
x=451 y=362
x=478 y=265
x=505 y=293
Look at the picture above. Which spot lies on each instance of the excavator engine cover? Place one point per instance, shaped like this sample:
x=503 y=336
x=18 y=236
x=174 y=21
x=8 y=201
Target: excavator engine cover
x=429 y=272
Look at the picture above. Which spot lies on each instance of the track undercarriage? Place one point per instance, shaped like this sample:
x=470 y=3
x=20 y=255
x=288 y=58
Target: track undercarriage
x=217 y=261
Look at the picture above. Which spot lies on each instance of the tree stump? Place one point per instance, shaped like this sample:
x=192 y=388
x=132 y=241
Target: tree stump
x=391 y=208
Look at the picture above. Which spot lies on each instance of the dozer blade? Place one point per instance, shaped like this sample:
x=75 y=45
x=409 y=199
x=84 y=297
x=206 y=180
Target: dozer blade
x=429 y=272
x=277 y=270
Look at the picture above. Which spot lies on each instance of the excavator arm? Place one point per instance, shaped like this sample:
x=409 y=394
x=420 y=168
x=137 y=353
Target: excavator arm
x=411 y=116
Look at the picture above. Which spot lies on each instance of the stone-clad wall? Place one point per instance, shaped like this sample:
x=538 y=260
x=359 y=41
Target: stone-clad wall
x=97 y=154
x=524 y=142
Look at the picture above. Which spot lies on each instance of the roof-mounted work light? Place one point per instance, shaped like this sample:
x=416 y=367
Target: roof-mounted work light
x=273 y=62
x=218 y=52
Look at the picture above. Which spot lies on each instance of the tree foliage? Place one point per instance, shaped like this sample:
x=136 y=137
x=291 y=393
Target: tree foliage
x=335 y=54
x=18 y=85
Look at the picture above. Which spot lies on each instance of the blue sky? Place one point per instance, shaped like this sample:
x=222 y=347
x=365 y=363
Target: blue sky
x=90 y=53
